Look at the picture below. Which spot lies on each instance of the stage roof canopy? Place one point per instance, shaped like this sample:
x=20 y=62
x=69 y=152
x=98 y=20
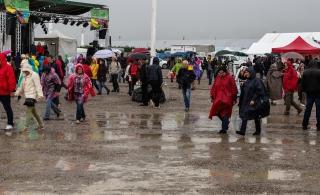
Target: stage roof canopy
x=68 y=7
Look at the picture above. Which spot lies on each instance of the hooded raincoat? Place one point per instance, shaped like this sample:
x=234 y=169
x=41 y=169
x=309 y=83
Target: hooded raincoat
x=251 y=90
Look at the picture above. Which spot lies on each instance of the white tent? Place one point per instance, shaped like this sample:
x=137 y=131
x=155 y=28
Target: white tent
x=275 y=40
x=59 y=44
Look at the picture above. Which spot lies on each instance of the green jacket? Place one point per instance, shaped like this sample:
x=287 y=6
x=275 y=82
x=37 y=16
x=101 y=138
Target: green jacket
x=176 y=68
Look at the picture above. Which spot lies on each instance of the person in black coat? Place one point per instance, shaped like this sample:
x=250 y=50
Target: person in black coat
x=102 y=76
x=310 y=84
x=155 y=79
x=251 y=92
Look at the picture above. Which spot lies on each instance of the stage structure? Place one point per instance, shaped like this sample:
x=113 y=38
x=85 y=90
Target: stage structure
x=19 y=17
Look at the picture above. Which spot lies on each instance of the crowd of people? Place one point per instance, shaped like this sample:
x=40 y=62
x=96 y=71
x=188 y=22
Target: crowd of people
x=256 y=83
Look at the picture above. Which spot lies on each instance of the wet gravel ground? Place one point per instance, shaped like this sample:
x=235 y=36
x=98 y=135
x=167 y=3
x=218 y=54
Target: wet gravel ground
x=125 y=149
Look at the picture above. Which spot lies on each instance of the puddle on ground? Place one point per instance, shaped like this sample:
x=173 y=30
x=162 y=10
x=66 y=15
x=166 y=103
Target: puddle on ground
x=284 y=175
x=200 y=140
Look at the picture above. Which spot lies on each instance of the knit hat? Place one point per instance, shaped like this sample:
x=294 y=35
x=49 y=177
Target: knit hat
x=223 y=68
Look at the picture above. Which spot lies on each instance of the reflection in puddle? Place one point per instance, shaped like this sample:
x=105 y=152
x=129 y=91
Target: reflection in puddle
x=284 y=175
x=110 y=136
x=276 y=155
x=235 y=148
x=313 y=142
x=200 y=140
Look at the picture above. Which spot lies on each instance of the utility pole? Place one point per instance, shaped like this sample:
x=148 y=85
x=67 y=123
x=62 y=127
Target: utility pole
x=153 y=27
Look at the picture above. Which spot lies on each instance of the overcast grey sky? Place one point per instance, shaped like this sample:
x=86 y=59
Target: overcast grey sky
x=206 y=19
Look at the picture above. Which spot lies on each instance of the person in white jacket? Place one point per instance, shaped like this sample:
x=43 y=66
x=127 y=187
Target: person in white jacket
x=32 y=90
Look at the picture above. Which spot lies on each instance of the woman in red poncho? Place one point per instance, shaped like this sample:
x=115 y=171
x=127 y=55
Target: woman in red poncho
x=290 y=85
x=223 y=94
x=79 y=88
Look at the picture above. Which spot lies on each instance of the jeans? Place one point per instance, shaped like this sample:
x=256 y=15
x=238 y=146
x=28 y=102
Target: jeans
x=114 y=78
x=80 y=110
x=6 y=103
x=120 y=76
x=95 y=84
x=51 y=105
x=288 y=98
x=245 y=122
x=103 y=85
x=310 y=101
x=156 y=92
x=30 y=114
x=186 y=97
x=225 y=123
x=210 y=76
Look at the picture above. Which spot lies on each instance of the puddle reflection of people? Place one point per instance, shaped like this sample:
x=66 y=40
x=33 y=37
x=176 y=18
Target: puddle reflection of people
x=223 y=94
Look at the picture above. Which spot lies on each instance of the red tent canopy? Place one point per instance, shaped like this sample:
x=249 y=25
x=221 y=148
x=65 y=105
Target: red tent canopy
x=140 y=50
x=300 y=46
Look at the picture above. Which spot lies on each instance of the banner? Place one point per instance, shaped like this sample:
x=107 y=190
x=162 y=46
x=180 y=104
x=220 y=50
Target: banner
x=100 y=13
x=99 y=18
x=19 y=7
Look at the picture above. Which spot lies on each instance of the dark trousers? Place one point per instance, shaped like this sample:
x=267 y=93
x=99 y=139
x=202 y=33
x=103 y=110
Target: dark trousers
x=132 y=84
x=156 y=92
x=225 y=123
x=101 y=86
x=95 y=84
x=210 y=76
x=114 y=78
x=289 y=101
x=80 y=110
x=145 y=96
x=6 y=103
x=245 y=122
x=310 y=101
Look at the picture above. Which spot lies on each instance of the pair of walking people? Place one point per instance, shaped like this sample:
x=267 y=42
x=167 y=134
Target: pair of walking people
x=253 y=101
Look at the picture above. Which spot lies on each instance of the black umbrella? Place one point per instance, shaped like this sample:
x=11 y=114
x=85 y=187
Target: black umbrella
x=138 y=56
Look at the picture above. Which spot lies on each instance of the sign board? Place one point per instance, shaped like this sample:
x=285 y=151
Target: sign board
x=100 y=13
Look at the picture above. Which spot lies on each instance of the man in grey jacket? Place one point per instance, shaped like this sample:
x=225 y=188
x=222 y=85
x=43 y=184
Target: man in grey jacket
x=155 y=79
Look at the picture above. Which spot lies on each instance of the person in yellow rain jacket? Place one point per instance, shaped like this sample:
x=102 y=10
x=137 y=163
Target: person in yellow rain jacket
x=94 y=69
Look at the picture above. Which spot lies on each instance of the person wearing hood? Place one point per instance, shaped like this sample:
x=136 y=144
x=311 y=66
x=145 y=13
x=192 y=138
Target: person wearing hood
x=185 y=78
x=94 y=69
x=290 y=85
x=177 y=67
x=252 y=93
x=223 y=95
x=79 y=88
x=32 y=90
x=50 y=81
x=7 y=88
x=155 y=79
x=310 y=84
x=274 y=83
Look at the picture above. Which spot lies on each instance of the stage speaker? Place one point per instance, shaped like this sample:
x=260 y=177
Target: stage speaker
x=102 y=33
x=11 y=23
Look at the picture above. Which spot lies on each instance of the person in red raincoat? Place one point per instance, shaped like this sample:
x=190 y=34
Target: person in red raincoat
x=290 y=85
x=79 y=89
x=223 y=94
